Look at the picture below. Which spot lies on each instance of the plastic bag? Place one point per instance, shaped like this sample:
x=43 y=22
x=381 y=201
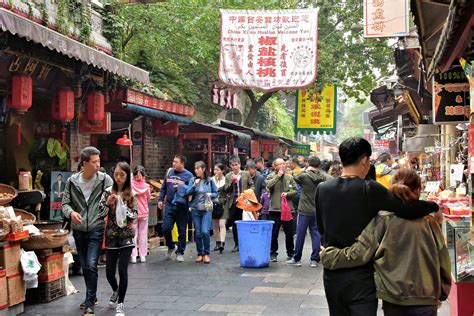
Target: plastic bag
x=68 y=259
x=208 y=204
x=121 y=213
x=30 y=266
x=286 y=215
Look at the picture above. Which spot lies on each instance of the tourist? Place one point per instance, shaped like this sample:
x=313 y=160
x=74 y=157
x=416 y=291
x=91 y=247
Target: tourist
x=143 y=195
x=218 y=224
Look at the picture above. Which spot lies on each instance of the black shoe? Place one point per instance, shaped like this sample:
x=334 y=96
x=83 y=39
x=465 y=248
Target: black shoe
x=273 y=258
x=221 y=248
x=89 y=311
x=236 y=248
x=218 y=245
x=83 y=304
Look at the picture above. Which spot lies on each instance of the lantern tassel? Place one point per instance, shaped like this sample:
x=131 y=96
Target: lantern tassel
x=63 y=136
x=18 y=133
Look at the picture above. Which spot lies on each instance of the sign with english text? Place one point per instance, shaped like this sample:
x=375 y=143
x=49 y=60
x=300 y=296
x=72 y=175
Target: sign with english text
x=268 y=50
x=386 y=18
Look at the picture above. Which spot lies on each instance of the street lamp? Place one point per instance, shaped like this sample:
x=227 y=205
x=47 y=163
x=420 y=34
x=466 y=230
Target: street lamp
x=125 y=141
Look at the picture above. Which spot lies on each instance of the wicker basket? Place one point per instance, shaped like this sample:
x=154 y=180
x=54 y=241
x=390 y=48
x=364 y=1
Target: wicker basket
x=7 y=189
x=26 y=217
x=49 y=239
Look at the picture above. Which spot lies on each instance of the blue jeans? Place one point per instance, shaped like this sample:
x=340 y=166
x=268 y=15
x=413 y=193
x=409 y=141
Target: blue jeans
x=202 y=225
x=306 y=222
x=172 y=215
x=89 y=245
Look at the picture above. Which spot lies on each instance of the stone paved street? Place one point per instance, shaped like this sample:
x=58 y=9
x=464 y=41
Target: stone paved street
x=161 y=287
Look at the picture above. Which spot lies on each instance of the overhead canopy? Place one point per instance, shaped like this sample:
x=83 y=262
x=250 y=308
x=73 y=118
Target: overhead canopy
x=208 y=127
x=32 y=31
x=156 y=113
x=381 y=97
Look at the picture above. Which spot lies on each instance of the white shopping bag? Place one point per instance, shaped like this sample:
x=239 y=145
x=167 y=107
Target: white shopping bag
x=121 y=213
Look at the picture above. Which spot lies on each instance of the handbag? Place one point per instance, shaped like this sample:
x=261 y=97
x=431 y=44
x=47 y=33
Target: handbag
x=286 y=215
x=217 y=209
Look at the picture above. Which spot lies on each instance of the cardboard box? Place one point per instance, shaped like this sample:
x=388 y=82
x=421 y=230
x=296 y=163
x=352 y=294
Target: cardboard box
x=51 y=267
x=3 y=289
x=16 y=289
x=10 y=258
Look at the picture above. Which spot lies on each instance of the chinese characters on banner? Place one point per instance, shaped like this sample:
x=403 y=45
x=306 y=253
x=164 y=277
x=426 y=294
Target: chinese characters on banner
x=450 y=97
x=268 y=50
x=386 y=18
x=316 y=115
x=225 y=98
x=300 y=150
x=382 y=144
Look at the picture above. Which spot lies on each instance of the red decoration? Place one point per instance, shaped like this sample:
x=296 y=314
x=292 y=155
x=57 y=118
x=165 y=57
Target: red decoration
x=95 y=107
x=62 y=106
x=124 y=141
x=168 y=129
x=21 y=97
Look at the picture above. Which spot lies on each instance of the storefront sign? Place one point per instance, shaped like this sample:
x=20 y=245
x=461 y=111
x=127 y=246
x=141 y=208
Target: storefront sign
x=168 y=129
x=300 y=150
x=268 y=50
x=382 y=144
x=450 y=97
x=386 y=18
x=140 y=98
x=268 y=145
x=316 y=113
x=101 y=127
x=469 y=72
x=225 y=98
x=254 y=149
x=58 y=184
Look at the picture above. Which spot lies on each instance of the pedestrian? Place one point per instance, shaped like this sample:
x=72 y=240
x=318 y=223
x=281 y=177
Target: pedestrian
x=345 y=205
x=260 y=163
x=336 y=169
x=383 y=169
x=421 y=245
x=265 y=201
x=295 y=168
x=143 y=195
x=281 y=185
x=303 y=161
x=325 y=165
x=202 y=191
x=119 y=233
x=309 y=181
x=218 y=224
x=258 y=179
x=81 y=204
x=236 y=182
x=175 y=206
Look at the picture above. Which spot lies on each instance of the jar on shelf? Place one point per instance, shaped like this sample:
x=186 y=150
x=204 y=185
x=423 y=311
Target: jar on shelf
x=25 y=181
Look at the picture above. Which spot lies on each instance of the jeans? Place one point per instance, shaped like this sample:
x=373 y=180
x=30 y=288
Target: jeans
x=306 y=222
x=89 y=245
x=235 y=214
x=351 y=291
x=289 y=232
x=121 y=255
x=172 y=215
x=202 y=225
x=390 y=309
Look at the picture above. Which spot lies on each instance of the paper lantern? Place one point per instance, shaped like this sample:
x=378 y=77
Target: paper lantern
x=62 y=106
x=21 y=96
x=95 y=107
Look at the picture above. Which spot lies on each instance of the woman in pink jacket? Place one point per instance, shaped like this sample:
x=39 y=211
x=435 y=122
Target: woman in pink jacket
x=142 y=191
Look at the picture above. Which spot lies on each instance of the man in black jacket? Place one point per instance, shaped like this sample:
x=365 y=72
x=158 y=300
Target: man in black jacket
x=257 y=177
x=344 y=206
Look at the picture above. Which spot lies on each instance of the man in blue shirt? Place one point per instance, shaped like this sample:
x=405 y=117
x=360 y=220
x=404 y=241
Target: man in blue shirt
x=173 y=212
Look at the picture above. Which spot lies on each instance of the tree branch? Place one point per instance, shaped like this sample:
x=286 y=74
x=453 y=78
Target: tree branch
x=256 y=106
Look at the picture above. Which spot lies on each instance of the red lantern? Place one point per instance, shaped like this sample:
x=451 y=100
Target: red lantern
x=62 y=106
x=21 y=97
x=95 y=107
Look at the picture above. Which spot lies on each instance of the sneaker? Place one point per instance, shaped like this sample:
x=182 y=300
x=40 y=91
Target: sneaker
x=169 y=254
x=142 y=259
x=83 y=304
x=273 y=258
x=179 y=258
x=133 y=259
x=293 y=262
x=89 y=311
x=313 y=264
x=113 y=299
x=119 y=310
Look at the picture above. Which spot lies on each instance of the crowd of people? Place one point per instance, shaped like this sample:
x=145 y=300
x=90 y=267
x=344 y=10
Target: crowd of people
x=336 y=202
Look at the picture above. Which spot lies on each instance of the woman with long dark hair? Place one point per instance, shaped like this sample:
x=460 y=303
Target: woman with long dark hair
x=202 y=190
x=119 y=235
x=218 y=224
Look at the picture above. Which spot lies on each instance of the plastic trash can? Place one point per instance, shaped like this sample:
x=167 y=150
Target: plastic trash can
x=255 y=238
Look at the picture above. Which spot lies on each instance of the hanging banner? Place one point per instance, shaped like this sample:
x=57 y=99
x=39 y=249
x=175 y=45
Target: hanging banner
x=313 y=115
x=268 y=50
x=384 y=18
x=450 y=97
x=300 y=150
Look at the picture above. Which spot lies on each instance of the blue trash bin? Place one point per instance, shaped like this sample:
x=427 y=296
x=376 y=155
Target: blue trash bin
x=255 y=238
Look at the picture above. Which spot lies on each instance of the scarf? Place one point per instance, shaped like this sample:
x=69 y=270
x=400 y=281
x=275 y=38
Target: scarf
x=139 y=187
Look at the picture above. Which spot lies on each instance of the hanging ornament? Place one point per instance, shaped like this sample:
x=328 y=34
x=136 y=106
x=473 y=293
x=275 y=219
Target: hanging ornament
x=62 y=109
x=95 y=107
x=20 y=98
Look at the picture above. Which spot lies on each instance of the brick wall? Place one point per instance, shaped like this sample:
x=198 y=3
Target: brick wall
x=76 y=142
x=158 y=152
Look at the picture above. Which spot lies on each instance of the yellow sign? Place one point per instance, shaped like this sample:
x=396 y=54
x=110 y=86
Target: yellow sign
x=316 y=115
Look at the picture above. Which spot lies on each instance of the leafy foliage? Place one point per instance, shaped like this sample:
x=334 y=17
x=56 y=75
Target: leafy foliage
x=353 y=120
x=273 y=118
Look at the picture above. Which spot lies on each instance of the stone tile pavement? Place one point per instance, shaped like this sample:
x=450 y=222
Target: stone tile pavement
x=160 y=287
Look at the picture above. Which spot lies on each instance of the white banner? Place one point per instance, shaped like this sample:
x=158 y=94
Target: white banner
x=386 y=18
x=268 y=50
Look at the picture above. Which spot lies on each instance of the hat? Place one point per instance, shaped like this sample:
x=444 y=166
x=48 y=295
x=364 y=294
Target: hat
x=247 y=201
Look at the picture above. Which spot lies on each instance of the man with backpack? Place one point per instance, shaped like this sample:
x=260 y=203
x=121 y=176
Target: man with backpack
x=173 y=193
x=80 y=203
x=308 y=181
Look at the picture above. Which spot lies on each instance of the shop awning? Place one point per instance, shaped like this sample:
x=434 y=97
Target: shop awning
x=156 y=113
x=243 y=140
x=32 y=31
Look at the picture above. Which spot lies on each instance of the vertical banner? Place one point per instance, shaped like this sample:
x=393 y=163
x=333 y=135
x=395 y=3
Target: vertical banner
x=316 y=113
x=268 y=50
x=58 y=184
x=386 y=18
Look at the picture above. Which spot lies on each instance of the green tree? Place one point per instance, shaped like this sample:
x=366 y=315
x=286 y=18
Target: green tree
x=353 y=120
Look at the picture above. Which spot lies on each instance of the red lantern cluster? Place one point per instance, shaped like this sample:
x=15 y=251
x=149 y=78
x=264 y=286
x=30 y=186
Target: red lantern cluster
x=95 y=107
x=62 y=106
x=21 y=96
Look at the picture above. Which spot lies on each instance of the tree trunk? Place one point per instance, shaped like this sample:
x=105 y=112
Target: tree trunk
x=256 y=106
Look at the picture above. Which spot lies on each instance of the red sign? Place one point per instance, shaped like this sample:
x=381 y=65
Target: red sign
x=254 y=149
x=101 y=127
x=268 y=145
x=382 y=144
x=168 y=129
x=140 y=98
